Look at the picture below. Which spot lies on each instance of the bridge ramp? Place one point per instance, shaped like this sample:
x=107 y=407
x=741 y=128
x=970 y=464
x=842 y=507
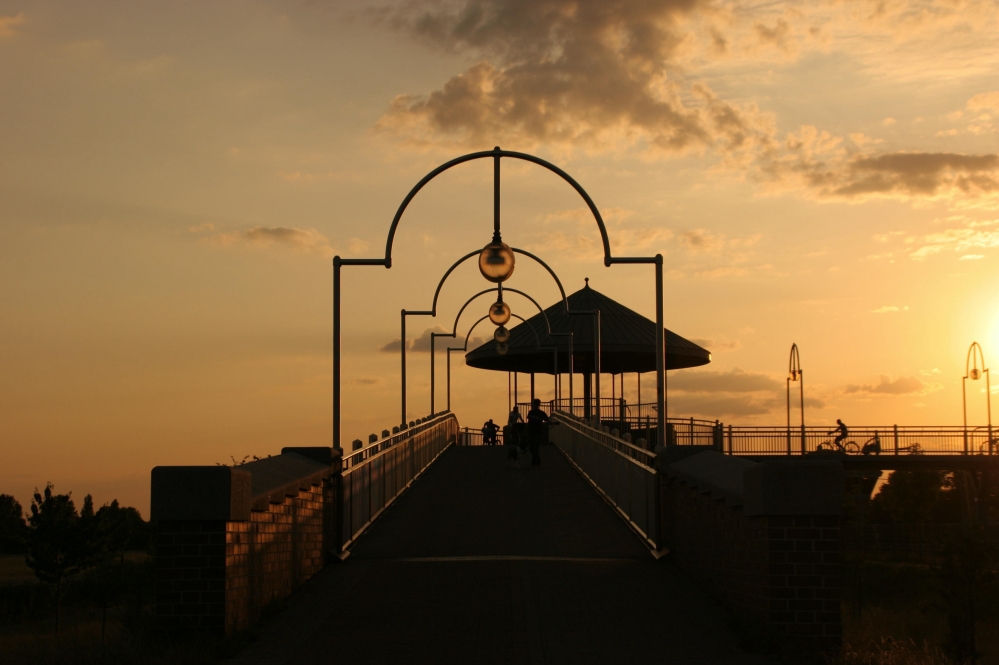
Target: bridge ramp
x=483 y=563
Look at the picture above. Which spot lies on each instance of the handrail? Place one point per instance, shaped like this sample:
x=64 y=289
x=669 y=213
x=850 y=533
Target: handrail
x=623 y=474
x=375 y=476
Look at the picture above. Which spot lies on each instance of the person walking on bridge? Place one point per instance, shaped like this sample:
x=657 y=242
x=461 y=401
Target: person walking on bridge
x=536 y=431
x=511 y=435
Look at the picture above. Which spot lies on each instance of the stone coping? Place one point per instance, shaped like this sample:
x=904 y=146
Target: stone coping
x=229 y=493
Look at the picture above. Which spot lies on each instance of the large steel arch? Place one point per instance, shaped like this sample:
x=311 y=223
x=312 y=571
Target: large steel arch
x=497 y=154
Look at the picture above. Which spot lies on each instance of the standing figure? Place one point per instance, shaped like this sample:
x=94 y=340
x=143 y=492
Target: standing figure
x=536 y=430
x=511 y=437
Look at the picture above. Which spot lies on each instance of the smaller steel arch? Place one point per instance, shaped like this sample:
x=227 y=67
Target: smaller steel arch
x=454 y=328
x=440 y=284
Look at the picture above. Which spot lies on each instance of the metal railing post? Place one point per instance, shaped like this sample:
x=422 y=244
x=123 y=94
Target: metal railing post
x=895 y=433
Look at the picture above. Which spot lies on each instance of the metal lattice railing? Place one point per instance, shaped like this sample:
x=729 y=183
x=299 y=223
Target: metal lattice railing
x=623 y=473
x=374 y=476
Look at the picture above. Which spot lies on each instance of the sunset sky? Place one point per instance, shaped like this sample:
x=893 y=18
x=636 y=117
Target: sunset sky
x=176 y=177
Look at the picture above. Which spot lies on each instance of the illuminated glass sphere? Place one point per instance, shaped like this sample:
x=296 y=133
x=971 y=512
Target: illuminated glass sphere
x=496 y=262
x=975 y=373
x=502 y=335
x=502 y=349
x=499 y=313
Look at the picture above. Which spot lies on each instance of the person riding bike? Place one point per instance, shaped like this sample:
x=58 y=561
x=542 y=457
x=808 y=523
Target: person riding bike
x=843 y=433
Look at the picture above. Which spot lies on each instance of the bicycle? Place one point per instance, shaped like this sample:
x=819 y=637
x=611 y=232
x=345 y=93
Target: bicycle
x=833 y=446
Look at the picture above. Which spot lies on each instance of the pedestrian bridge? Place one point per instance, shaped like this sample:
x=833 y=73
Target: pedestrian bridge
x=421 y=549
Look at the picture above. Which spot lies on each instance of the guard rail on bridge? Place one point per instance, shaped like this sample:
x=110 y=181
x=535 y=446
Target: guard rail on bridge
x=639 y=420
x=374 y=476
x=623 y=473
x=231 y=539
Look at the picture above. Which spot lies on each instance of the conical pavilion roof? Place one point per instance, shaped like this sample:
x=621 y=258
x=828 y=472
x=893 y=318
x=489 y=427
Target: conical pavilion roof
x=627 y=341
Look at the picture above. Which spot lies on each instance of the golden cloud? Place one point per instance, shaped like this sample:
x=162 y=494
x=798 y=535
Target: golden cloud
x=9 y=23
x=304 y=240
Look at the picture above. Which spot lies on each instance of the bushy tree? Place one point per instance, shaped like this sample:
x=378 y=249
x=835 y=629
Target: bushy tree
x=13 y=528
x=916 y=497
x=57 y=543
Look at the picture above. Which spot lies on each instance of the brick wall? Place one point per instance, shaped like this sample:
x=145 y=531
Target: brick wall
x=778 y=574
x=219 y=575
x=270 y=555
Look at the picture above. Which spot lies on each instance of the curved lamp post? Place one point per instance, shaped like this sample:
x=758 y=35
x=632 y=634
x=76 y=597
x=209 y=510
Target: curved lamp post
x=795 y=373
x=971 y=371
x=496 y=264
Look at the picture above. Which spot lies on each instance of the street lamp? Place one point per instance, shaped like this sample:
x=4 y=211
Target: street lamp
x=971 y=371
x=795 y=373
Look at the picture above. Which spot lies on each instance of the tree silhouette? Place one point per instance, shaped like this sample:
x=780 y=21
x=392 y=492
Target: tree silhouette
x=13 y=528
x=57 y=542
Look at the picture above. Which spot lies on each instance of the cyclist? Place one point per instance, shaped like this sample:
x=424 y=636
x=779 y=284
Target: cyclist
x=843 y=433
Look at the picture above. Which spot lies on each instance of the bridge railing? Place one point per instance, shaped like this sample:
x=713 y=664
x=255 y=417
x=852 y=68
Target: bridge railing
x=623 y=473
x=374 y=476
x=894 y=440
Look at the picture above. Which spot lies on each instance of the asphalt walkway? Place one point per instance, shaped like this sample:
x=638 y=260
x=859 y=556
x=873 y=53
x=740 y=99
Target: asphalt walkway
x=483 y=563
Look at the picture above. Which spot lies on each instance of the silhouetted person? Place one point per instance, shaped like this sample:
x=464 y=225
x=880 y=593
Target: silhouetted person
x=536 y=431
x=514 y=423
x=843 y=432
x=489 y=430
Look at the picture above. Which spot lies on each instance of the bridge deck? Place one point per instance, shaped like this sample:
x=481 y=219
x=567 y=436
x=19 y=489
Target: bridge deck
x=483 y=563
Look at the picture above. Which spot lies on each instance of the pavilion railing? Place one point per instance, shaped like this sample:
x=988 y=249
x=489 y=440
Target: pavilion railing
x=468 y=436
x=638 y=420
x=621 y=472
x=374 y=476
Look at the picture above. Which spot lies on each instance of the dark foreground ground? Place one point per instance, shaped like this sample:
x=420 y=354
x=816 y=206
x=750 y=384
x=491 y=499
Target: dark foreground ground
x=482 y=563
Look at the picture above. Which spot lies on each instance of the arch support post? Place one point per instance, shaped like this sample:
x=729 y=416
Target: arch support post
x=337 y=264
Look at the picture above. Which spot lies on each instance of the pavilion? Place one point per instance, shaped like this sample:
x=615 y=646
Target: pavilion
x=627 y=343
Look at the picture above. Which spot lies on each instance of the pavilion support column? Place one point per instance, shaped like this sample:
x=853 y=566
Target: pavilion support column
x=532 y=387
x=587 y=396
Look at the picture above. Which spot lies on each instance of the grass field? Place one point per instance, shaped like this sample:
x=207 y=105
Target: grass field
x=13 y=570
x=894 y=614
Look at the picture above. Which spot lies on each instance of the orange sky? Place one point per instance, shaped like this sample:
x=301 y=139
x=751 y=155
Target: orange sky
x=176 y=178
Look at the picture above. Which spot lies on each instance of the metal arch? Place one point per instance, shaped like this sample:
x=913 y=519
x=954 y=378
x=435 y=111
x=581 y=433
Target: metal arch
x=795 y=373
x=497 y=153
x=440 y=285
x=971 y=364
x=551 y=272
x=974 y=355
x=454 y=328
x=794 y=363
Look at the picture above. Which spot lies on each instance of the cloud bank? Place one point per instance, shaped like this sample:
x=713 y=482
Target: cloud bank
x=619 y=76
